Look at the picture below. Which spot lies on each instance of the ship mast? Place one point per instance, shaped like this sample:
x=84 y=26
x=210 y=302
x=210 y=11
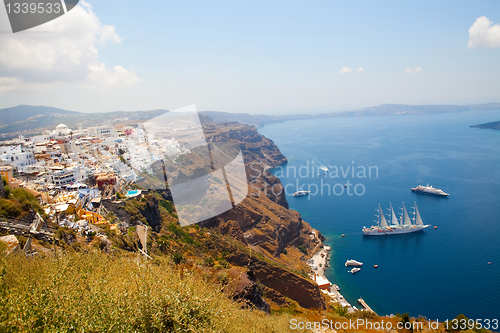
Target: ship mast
x=416 y=216
x=381 y=222
x=405 y=219
x=394 y=219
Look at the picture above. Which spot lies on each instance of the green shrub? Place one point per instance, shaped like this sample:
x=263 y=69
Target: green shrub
x=169 y=206
x=302 y=249
x=178 y=258
x=208 y=261
x=181 y=233
x=9 y=209
x=224 y=263
x=19 y=203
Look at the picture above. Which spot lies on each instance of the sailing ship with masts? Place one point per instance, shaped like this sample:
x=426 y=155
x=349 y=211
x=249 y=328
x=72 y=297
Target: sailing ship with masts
x=404 y=225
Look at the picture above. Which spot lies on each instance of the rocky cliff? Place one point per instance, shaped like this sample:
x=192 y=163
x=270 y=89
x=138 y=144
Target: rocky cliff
x=263 y=218
x=263 y=221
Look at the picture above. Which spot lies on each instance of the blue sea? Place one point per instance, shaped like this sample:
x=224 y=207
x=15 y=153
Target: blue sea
x=438 y=273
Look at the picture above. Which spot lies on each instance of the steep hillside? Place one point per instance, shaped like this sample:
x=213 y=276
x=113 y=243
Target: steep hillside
x=31 y=120
x=96 y=292
x=24 y=112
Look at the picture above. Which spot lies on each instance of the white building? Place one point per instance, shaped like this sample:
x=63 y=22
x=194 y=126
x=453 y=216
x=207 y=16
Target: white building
x=61 y=130
x=40 y=138
x=73 y=174
x=104 y=131
x=17 y=156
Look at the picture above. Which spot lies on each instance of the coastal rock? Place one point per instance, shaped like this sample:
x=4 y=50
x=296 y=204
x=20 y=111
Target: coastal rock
x=303 y=291
x=232 y=228
x=11 y=244
x=246 y=291
x=275 y=297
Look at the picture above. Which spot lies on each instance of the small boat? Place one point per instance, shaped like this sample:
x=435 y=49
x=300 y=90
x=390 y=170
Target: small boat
x=336 y=287
x=355 y=270
x=353 y=262
x=301 y=193
x=375 y=266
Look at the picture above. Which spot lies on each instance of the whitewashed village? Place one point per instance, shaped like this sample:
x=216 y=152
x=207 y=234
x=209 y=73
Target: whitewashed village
x=71 y=171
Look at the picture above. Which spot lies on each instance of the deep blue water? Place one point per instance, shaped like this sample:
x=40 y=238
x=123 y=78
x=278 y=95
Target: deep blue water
x=437 y=273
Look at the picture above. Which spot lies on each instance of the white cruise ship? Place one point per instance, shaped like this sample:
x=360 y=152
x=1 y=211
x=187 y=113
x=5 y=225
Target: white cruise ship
x=429 y=190
x=301 y=193
x=404 y=226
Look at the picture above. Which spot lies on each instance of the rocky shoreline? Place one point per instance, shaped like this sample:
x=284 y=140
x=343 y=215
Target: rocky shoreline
x=318 y=263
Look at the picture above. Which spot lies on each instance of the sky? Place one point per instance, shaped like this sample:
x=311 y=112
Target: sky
x=266 y=57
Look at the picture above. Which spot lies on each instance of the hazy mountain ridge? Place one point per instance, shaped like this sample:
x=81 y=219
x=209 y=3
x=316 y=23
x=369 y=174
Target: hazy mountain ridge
x=31 y=120
x=24 y=112
x=379 y=110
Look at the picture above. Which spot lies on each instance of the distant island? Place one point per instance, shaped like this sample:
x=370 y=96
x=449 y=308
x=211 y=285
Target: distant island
x=493 y=125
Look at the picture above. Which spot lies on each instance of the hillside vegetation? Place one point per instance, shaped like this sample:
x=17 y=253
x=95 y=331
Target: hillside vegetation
x=96 y=292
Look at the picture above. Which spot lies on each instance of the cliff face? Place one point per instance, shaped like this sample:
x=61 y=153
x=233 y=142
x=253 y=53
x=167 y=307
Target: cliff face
x=279 y=283
x=256 y=147
x=282 y=281
x=133 y=210
x=263 y=219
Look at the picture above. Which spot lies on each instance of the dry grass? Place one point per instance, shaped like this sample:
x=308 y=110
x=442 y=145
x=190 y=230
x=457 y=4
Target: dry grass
x=97 y=292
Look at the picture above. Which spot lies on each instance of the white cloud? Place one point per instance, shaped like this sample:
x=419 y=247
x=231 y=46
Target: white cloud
x=108 y=33
x=483 y=35
x=411 y=71
x=62 y=50
x=100 y=75
x=360 y=69
x=9 y=83
x=345 y=70
x=13 y=84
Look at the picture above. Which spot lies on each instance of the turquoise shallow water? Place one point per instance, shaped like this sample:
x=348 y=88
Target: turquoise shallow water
x=437 y=273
